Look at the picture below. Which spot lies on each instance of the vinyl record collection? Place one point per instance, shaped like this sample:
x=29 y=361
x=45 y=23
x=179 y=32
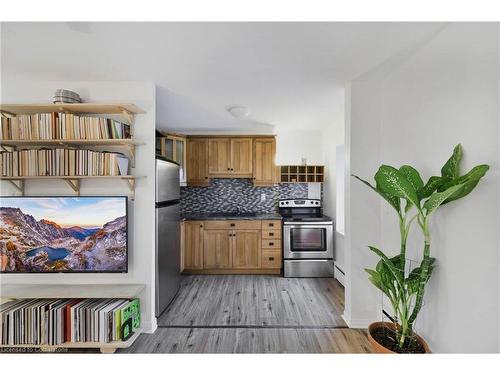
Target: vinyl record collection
x=64 y=126
x=62 y=162
x=56 y=321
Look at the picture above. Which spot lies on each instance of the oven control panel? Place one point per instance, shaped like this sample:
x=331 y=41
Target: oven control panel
x=295 y=203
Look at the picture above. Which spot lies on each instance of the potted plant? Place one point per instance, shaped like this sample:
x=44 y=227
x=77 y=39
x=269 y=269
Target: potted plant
x=414 y=202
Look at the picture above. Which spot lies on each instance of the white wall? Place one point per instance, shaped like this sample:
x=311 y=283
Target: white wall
x=446 y=92
x=294 y=144
x=362 y=209
x=332 y=135
x=141 y=211
x=340 y=188
x=340 y=213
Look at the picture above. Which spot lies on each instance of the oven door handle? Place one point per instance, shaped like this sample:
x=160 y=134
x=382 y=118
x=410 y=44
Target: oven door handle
x=310 y=226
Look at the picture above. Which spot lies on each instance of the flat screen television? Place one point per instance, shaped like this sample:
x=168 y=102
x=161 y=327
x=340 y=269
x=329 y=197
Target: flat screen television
x=63 y=234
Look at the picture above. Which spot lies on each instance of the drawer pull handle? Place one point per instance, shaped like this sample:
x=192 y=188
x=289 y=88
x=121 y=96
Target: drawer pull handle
x=201 y=225
x=271 y=234
x=271 y=243
x=232 y=224
x=271 y=258
x=271 y=224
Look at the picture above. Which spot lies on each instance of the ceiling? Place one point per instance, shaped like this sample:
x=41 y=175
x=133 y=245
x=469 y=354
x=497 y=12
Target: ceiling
x=288 y=74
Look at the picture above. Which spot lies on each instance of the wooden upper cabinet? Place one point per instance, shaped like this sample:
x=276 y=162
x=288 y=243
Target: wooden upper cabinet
x=241 y=157
x=197 y=162
x=217 y=249
x=192 y=245
x=231 y=156
x=264 y=165
x=246 y=248
x=219 y=156
x=228 y=157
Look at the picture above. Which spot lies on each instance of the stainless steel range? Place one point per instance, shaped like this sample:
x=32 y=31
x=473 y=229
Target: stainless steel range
x=307 y=239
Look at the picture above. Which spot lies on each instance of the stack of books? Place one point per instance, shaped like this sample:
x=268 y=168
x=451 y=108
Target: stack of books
x=62 y=162
x=64 y=126
x=66 y=96
x=56 y=321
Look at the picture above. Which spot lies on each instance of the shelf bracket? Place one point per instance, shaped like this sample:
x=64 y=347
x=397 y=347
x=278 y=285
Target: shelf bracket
x=128 y=115
x=130 y=183
x=75 y=185
x=131 y=187
x=18 y=184
x=131 y=150
x=6 y=114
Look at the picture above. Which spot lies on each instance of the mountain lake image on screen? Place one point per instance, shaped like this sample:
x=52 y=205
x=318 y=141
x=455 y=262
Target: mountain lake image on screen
x=63 y=234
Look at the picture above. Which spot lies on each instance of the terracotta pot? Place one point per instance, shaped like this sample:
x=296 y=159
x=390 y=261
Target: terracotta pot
x=379 y=348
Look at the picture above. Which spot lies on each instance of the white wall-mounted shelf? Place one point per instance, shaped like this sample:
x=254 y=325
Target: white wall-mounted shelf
x=126 y=111
x=72 y=181
x=24 y=291
x=16 y=291
x=104 y=347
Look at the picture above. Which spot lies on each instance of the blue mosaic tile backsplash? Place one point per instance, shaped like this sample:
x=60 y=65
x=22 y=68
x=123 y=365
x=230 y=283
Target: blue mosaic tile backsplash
x=227 y=194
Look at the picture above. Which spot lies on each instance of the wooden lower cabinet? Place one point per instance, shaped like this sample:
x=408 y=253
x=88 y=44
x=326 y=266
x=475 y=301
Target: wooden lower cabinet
x=192 y=245
x=228 y=246
x=246 y=248
x=271 y=258
x=271 y=244
x=217 y=249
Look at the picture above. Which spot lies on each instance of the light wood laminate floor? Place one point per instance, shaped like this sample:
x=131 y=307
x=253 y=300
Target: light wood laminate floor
x=252 y=340
x=254 y=314
x=256 y=301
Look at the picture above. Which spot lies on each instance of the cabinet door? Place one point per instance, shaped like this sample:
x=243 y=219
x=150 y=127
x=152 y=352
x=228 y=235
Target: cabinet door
x=246 y=247
x=192 y=245
x=264 y=165
x=241 y=157
x=196 y=168
x=216 y=248
x=219 y=156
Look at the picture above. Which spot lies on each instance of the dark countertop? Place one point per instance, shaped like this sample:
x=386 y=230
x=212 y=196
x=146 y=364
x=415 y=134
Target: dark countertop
x=229 y=216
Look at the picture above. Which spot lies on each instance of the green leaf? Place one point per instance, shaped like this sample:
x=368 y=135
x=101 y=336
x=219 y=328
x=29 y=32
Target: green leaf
x=393 y=182
x=375 y=279
x=388 y=278
x=451 y=168
x=437 y=198
x=412 y=175
x=392 y=200
x=431 y=186
x=469 y=182
x=415 y=273
x=387 y=262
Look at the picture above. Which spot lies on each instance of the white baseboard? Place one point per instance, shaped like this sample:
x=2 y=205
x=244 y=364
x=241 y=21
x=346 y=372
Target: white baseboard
x=357 y=323
x=149 y=326
x=339 y=274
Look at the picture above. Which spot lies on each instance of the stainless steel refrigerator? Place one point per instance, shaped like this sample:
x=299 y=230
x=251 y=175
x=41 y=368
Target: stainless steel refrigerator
x=168 y=251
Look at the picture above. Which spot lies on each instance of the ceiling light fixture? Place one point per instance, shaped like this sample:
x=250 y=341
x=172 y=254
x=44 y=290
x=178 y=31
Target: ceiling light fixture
x=238 y=111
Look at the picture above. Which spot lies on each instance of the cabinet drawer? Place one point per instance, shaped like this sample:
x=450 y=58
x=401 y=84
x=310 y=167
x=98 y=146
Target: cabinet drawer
x=269 y=243
x=216 y=225
x=271 y=259
x=232 y=224
x=244 y=224
x=271 y=234
x=271 y=224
